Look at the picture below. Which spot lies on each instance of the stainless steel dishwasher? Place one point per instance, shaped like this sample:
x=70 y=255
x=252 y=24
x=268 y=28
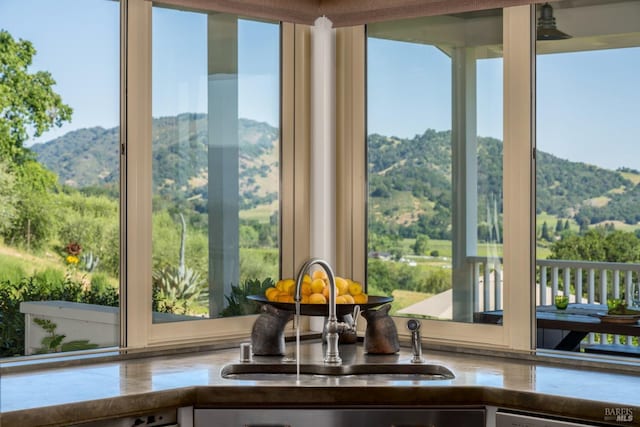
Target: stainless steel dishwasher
x=370 y=417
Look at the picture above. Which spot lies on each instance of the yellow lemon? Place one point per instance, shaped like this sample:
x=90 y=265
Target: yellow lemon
x=285 y=298
x=304 y=299
x=355 y=288
x=305 y=289
x=306 y=278
x=271 y=293
x=348 y=299
x=342 y=285
x=360 y=299
x=340 y=299
x=317 y=299
x=290 y=286
x=285 y=285
x=325 y=292
x=317 y=286
x=318 y=274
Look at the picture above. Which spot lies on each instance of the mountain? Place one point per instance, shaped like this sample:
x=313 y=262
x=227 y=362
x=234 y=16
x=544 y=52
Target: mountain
x=409 y=178
x=84 y=157
x=410 y=184
x=90 y=157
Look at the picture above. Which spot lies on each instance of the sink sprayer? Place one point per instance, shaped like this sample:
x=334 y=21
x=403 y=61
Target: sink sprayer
x=416 y=344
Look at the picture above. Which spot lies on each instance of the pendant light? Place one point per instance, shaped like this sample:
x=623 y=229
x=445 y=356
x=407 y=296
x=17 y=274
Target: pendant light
x=547 y=25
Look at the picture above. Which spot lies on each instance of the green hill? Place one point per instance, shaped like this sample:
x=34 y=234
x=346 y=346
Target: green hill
x=410 y=186
x=409 y=179
x=82 y=158
x=90 y=158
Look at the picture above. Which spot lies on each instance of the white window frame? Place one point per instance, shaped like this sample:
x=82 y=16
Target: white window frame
x=517 y=331
x=138 y=331
x=137 y=328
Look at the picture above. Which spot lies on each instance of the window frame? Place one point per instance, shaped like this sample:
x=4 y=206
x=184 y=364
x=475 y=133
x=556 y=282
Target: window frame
x=517 y=332
x=137 y=329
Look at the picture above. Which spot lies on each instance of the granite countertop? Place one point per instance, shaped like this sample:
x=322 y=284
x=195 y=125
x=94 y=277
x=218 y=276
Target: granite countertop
x=64 y=395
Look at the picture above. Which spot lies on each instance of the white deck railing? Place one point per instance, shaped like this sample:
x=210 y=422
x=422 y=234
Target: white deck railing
x=583 y=281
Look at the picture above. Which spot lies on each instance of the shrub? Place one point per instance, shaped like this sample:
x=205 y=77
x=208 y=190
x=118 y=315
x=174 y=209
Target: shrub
x=178 y=290
x=237 y=302
x=100 y=283
x=49 y=275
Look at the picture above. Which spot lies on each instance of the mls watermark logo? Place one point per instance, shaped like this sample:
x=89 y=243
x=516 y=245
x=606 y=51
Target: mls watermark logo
x=620 y=415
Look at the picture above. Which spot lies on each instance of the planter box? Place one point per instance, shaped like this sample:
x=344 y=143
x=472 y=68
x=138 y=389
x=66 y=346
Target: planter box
x=99 y=324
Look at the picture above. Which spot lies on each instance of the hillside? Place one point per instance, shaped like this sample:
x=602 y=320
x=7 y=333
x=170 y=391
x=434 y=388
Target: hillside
x=410 y=183
x=409 y=179
x=90 y=157
x=82 y=158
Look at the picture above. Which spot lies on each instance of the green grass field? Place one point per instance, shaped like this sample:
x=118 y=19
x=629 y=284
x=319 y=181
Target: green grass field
x=633 y=177
x=261 y=213
x=16 y=264
x=444 y=250
x=403 y=299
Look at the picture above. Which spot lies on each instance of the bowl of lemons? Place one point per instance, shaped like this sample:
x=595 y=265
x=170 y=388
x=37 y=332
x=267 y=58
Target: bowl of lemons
x=314 y=295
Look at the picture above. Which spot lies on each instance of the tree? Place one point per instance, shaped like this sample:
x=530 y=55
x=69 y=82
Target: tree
x=545 y=235
x=7 y=198
x=583 y=222
x=33 y=222
x=27 y=100
x=598 y=244
x=421 y=245
x=559 y=227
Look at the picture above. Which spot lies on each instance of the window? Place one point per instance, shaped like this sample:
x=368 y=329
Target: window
x=215 y=131
x=60 y=174
x=587 y=209
x=434 y=107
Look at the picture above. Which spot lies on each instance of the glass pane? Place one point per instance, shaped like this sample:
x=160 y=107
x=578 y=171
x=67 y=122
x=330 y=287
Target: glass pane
x=434 y=100
x=59 y=175
x=588 y=170
x=216 y=92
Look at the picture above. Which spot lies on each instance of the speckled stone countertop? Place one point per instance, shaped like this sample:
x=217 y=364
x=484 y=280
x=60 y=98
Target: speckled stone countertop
x=66 y=395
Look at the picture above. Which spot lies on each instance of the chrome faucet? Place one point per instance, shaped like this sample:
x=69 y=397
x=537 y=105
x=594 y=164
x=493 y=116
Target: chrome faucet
x=332 y=327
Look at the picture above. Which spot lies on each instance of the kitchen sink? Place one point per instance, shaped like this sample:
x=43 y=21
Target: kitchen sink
x=382 y=371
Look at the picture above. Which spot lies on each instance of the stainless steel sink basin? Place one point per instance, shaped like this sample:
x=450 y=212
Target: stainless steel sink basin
x=385 y=371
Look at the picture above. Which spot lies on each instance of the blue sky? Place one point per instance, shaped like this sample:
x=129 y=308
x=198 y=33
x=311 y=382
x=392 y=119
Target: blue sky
x=409 y=90
x=588 y=106
x=77 y=41
x=76 y=45
x=581 y=115
x=180 y=66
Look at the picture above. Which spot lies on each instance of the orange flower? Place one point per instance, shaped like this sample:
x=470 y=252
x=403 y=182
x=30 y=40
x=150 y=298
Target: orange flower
x=74 y=248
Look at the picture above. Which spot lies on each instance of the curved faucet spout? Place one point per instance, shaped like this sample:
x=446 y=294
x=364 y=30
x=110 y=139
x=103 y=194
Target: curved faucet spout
x=333 y=327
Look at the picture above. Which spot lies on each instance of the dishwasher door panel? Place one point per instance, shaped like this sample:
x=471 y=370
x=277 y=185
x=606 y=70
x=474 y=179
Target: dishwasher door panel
x=392 y=417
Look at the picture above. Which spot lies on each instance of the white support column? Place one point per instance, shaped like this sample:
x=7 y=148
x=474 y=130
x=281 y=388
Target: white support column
x=465 y=182
x=323 y=140
x=224 y=252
